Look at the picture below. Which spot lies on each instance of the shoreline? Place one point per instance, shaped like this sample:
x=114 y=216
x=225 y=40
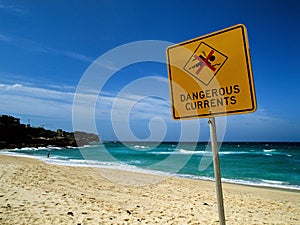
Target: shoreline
x=159 y=173
x=34 y=192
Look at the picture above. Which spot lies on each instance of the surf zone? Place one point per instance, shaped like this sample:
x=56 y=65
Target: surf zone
x=210 y=98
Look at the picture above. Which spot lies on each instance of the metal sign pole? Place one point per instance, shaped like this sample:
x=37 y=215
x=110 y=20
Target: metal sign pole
x=214 y=143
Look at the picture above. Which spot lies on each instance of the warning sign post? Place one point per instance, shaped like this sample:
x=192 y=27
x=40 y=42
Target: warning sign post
x=212 y=76
x=217 y=171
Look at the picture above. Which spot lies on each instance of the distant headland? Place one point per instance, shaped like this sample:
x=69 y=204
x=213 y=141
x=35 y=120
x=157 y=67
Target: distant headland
x=13 y=134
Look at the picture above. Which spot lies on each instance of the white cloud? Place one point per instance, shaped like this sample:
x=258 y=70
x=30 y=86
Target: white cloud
x=42 y=82
x=17 y=9
x=31 y=45
x=261 y=125
x=131 y=106
x=56 y=105
x=21 y=99
x=5 y=38
x=259 y=118
x=71 y=54
x=35 y=92
x=48 y=103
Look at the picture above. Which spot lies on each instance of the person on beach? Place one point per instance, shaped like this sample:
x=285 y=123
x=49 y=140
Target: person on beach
x=48 y=155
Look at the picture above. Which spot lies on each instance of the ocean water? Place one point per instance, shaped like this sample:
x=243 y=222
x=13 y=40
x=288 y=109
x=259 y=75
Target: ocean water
x=260 y=164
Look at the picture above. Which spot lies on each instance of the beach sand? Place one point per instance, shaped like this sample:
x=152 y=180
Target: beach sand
x=33 y=192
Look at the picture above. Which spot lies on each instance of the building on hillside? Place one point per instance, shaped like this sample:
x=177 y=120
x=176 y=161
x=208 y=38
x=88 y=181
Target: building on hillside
x=9 y=120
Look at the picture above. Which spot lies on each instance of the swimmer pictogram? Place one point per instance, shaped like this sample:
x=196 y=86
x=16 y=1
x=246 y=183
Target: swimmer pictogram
x=205 y=63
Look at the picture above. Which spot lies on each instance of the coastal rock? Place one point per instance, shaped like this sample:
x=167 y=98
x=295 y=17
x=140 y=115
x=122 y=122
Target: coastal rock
x=13 y=134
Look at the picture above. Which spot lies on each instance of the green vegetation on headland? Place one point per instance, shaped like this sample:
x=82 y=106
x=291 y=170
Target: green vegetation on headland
x=13 y=134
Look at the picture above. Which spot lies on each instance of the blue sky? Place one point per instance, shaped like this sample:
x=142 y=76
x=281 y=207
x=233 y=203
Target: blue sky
x=47 y=46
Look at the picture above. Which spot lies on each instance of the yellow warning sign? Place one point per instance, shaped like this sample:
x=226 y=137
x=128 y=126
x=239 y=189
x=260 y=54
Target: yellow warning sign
x=211 y=75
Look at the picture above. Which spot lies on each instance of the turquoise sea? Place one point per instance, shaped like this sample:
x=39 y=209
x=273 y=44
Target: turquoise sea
x=260 y=164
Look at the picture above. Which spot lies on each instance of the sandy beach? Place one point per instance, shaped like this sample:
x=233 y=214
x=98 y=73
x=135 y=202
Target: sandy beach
x=33 y=192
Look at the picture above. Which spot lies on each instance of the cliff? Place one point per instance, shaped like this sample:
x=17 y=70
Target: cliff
x=13 y=134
